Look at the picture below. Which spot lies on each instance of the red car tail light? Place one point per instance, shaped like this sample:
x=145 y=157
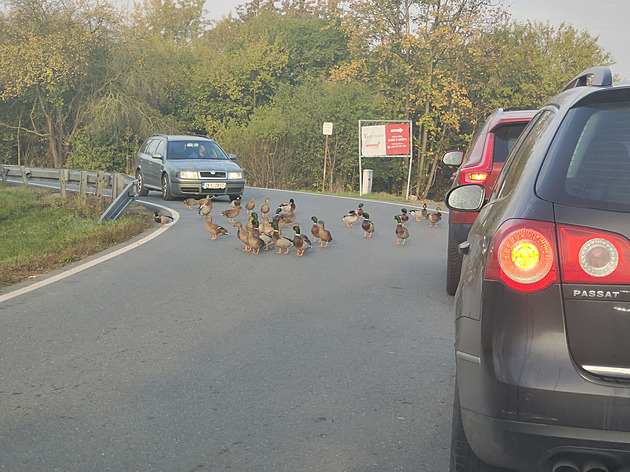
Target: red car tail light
x=522 y=255
x=479 y=173
x=593 y=256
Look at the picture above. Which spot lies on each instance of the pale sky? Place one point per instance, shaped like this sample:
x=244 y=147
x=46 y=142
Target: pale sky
x=607 y=20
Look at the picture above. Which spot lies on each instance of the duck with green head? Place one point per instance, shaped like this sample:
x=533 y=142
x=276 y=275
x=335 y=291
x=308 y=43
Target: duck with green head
x=402 y=233
x=367 y=225
x=300 y=241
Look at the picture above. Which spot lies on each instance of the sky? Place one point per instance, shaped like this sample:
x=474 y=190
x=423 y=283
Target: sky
x=606 y=20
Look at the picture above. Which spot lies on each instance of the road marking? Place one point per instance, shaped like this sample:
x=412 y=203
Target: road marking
x=98 y=260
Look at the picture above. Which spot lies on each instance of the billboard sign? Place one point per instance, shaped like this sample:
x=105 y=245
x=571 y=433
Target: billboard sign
x=385 y=140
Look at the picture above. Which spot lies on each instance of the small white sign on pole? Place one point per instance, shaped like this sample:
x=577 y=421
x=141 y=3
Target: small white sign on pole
x=328 y=129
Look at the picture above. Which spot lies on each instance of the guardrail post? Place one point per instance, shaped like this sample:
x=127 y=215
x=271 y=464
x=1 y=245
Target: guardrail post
x=118 y=183
x=3 y=179
x=63 y=178
x=24 y=175
x=83 y=184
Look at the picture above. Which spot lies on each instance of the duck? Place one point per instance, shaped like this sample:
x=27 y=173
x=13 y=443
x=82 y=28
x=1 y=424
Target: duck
x=253 y=239
x=266 y=225
x=242 y=235
x=190 y=202
x=360 y=210
x=281 y=242
x=324 y=234
x=315 y=229
x=207 y=199
x=300 y=241
x=419 y=213
x=205 y=209
x=249 y=206
x=350 y=218
x=231 y=213
x=404 y=217
x=285 y=218
x=265 y=236
x=235 y=203
x=287 y=206
x=250 y=222
x=214 y=229
x=434 y=218
x=162 y=219
x=264 y=209
x=402 y=233
x=367 y=225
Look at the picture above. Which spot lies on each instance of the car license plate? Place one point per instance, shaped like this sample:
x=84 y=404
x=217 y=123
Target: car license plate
x=213 y=185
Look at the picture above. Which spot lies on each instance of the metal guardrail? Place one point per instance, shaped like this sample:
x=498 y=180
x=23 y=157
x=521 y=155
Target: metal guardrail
x=120 y=187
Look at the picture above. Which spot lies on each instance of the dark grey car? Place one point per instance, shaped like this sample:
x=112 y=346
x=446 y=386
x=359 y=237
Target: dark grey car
x=186 y=166
x=543 y=305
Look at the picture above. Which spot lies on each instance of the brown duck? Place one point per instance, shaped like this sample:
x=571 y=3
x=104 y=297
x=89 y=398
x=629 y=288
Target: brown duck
x=214 y=229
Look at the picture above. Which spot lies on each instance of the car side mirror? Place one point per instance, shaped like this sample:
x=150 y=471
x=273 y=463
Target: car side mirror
x=453 y=158
x=466 y=198
x=232 y=157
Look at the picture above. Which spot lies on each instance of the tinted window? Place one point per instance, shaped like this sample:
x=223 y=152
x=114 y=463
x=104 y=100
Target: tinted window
x=151 y=146
x=589 y=162
x=504 y=139
x=511 y=171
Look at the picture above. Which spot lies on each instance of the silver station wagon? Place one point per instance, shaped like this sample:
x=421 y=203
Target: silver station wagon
x=186 y=166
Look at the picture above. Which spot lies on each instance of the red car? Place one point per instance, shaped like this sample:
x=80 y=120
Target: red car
x=481 y=165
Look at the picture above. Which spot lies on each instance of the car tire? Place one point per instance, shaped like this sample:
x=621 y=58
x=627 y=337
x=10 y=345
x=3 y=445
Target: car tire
x=166 y=188
x=463 y=459
x=453 y=267
x=140 y=188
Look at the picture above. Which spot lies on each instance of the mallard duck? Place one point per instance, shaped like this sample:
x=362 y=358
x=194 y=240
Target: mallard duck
x=249 y=206
x=434 y=218
x=367 y=225
x=350 y=218
x=214 y=229
x=231 y=213
x=419 y=214
x=324 y=234
x=402 y=233
x=205 y=209
x=242 y=235
x=264 y=209
x=235 y=203
x=162 y=219
x=281 y=242
x=404 y=217
x=250 y=222
x=360 y=210
x=207 y=199
x=265 y=236
x=300 y=241
x=285 y=218
x=253 y=240
x=287 y=206
x=315 y=229
x=190 y=202
x=265 y=226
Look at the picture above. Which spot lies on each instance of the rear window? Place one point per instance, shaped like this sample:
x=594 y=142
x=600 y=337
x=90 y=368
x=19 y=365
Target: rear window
x=504 y=139
x=589 y=161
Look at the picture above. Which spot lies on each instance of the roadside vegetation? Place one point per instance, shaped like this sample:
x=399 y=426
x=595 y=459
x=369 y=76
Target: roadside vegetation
x=83 y=84
x=40 y=231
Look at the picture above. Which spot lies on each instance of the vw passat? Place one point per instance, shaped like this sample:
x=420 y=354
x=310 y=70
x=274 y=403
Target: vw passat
x=542 y=308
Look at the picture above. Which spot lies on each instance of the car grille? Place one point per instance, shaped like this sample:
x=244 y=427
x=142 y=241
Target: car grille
x=213 y=175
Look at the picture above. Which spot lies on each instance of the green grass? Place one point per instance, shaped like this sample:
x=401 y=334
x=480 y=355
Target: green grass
x=40 y=231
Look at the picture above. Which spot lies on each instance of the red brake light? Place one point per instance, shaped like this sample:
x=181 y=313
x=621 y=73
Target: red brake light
x=475 y=177
x=593 y=256
x=522 y=255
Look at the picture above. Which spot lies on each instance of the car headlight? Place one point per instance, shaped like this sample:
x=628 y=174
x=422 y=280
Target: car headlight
x=188 y=174
x=235 y=175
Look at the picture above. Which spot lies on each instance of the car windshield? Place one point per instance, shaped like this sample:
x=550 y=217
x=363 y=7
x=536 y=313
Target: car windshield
x=195 y=149
x=589 y=165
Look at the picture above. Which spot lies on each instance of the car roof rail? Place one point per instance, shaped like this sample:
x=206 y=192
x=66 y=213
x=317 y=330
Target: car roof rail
x=600 y=77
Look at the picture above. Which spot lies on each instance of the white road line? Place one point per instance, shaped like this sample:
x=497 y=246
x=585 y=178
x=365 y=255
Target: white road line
x=98 y=260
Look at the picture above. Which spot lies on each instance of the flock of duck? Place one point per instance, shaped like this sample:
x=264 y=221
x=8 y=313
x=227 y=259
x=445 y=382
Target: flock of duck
x=265 y=232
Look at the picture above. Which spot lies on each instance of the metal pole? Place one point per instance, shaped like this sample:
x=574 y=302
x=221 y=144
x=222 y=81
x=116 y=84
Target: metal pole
x=325 y=160
x=360 y=169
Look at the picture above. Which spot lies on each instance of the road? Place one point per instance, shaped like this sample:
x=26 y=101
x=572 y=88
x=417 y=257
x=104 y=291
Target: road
x=186 y=354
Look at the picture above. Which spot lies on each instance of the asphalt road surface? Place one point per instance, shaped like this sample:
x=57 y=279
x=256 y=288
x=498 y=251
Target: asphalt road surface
x=178 y=353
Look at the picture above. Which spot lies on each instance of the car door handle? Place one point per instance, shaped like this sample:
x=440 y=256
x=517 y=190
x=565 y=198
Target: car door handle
x=464 y=247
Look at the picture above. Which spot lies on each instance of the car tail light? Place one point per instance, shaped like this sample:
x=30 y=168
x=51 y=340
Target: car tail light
x=593 y=256
x=522 y=255
x=479 y=174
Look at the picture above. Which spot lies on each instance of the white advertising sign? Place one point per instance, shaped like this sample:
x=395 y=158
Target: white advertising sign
x=373 y=141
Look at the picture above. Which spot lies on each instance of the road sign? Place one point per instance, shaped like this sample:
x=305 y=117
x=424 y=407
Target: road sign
x=328 y=128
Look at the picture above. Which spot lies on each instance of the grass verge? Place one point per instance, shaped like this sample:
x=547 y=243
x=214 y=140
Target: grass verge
x=40 y=231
